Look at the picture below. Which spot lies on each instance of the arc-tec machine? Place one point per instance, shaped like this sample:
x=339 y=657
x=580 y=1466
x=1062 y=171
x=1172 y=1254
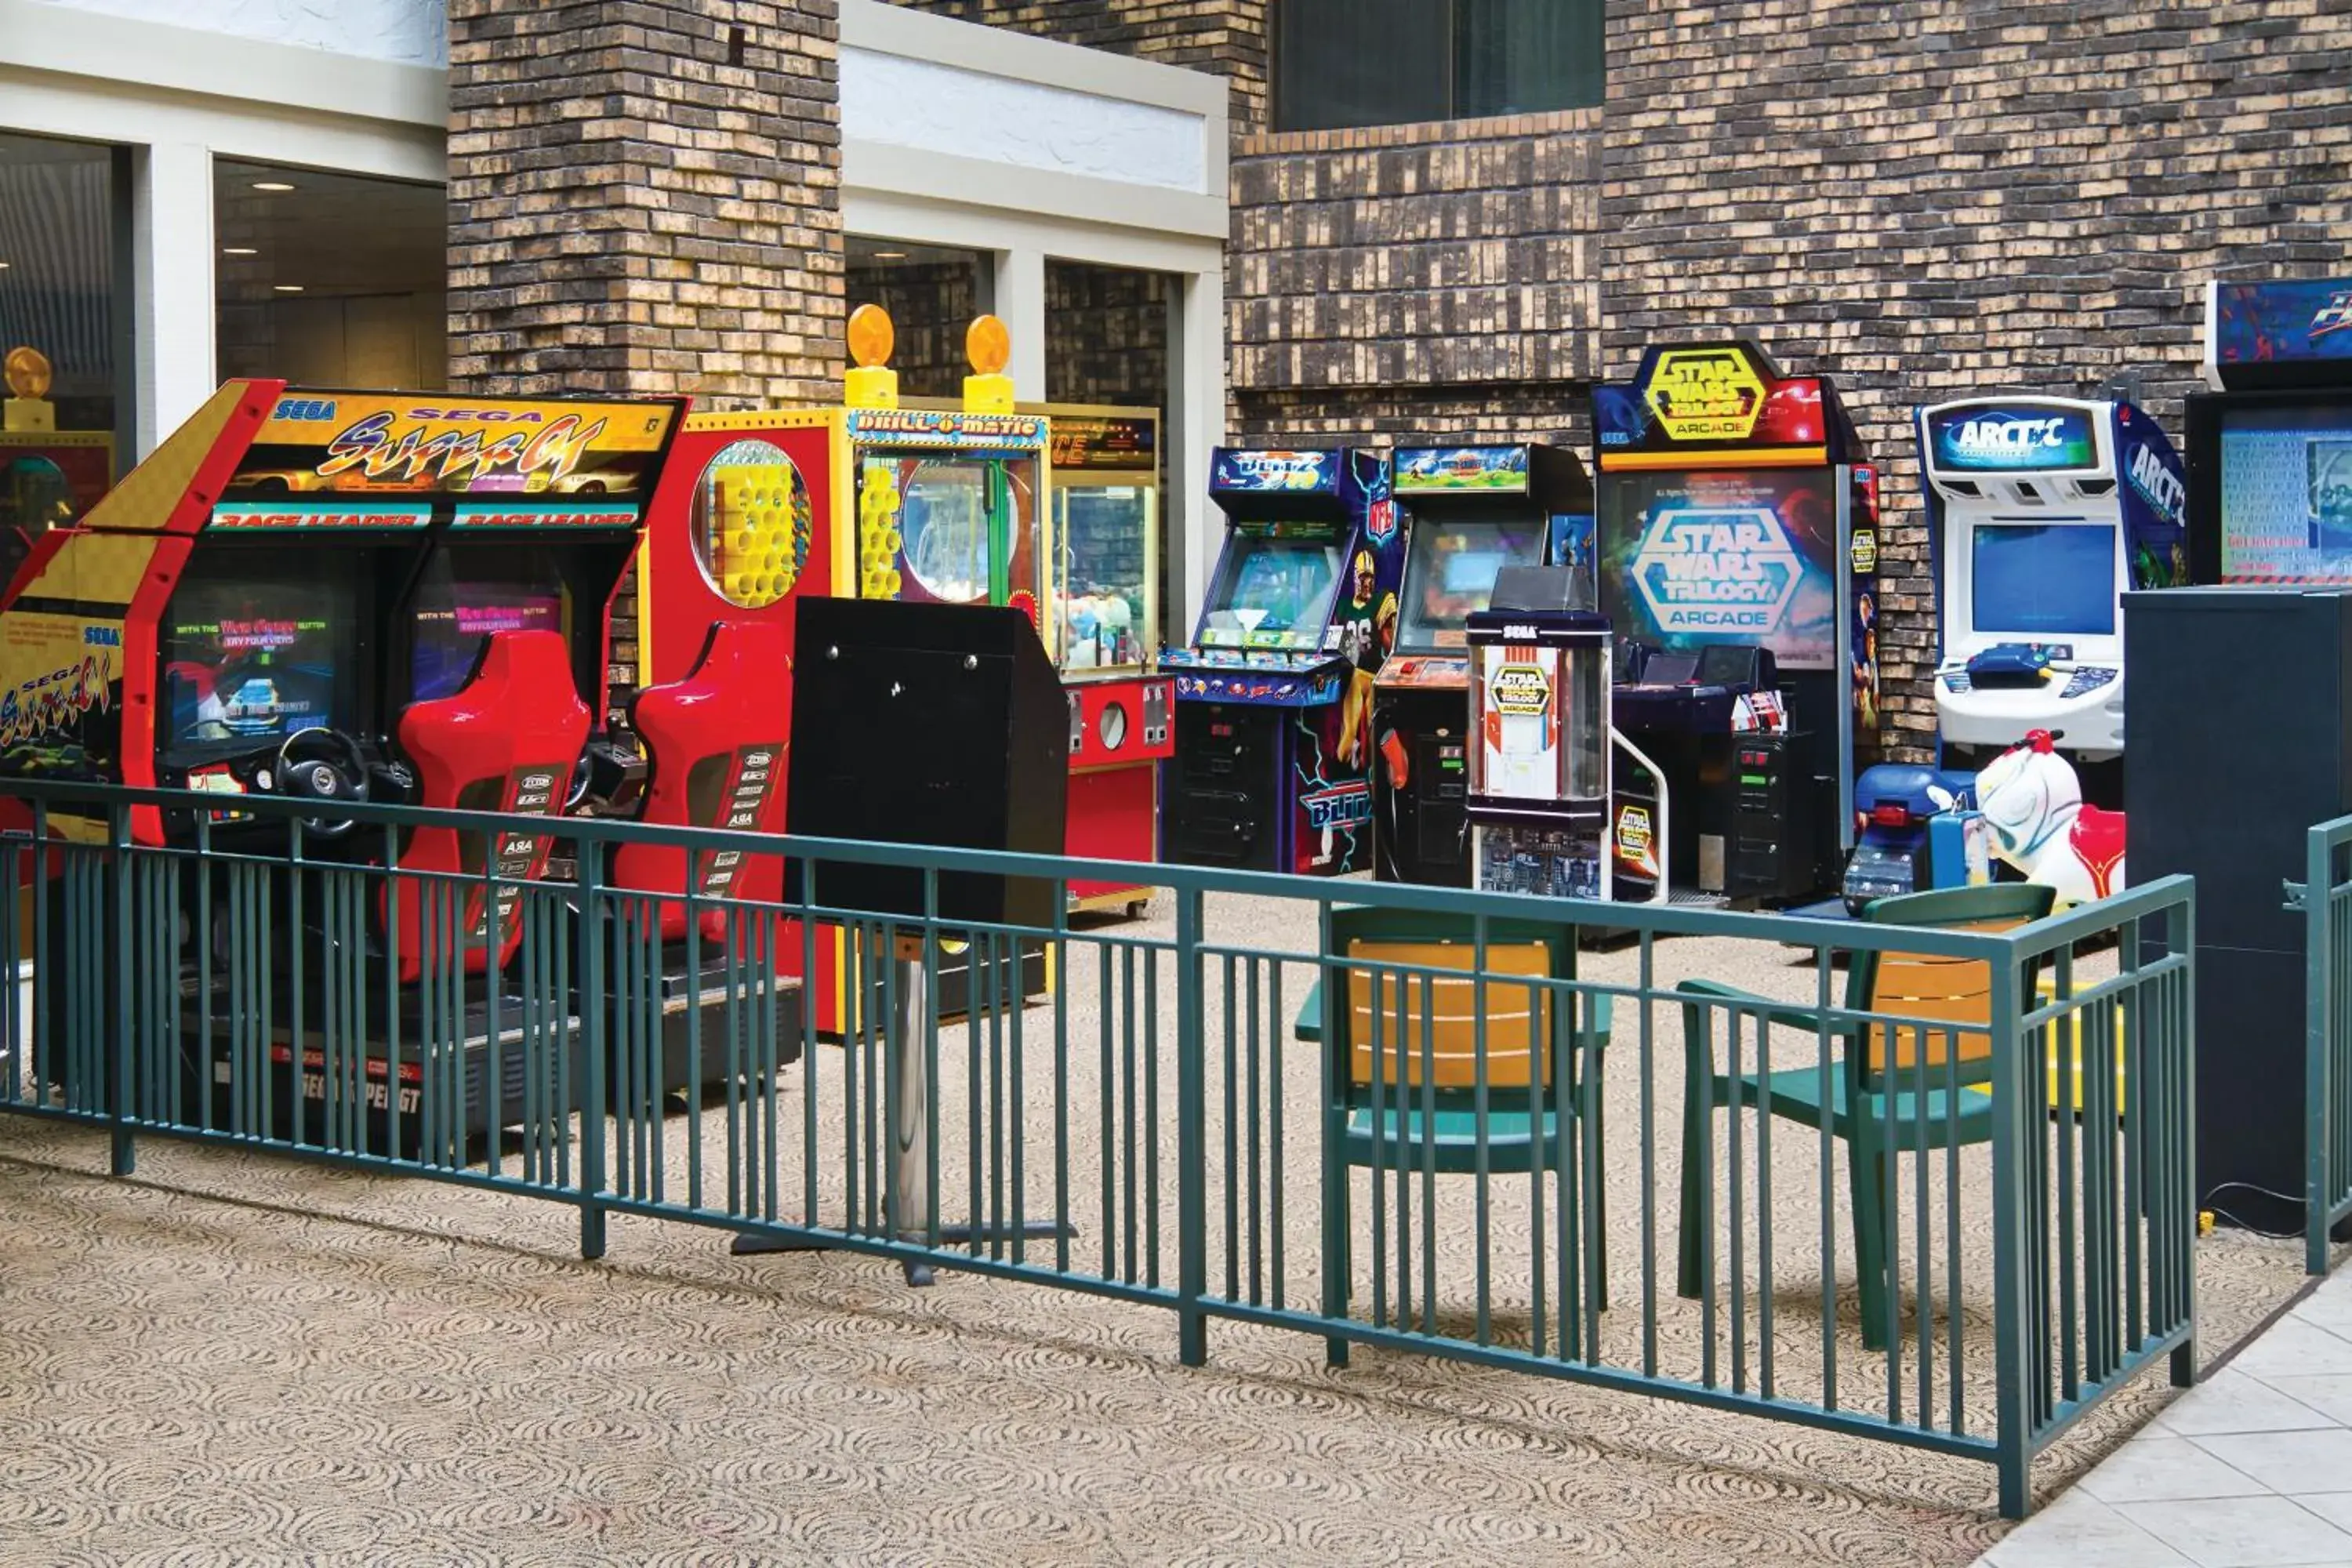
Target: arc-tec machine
x=2042 y=511
x=1274 y=733
x=1471 y=512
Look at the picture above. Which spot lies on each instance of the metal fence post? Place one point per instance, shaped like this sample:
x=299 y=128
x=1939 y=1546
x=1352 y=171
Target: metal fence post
x=2012 y=1270
x=1192 y=1135
x=2318 y=909
x=124 y=1158
x=593 y=1003
x=2181 y=934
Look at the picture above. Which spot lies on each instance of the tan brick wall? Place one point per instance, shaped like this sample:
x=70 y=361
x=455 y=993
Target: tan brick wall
x=1941 y=197
x=644 y=196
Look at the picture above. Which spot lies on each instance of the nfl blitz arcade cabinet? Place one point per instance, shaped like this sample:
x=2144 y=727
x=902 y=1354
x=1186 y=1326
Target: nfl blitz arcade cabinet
x=2239 y=738
x=2043 y=512
x=1471 y=513
x=1273 y=697
x=1737 y=549
x=335 y=597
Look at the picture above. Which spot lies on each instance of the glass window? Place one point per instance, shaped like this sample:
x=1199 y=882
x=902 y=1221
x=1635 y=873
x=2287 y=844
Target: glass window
x=1340 y=63
x=2043 y=579
x=1106 y=537
x=64 y=231
x=931 y=294
x=943 y=522
x=329 y=279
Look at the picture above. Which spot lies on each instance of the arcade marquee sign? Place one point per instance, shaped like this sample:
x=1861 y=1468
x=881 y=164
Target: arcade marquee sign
x=1704 y=393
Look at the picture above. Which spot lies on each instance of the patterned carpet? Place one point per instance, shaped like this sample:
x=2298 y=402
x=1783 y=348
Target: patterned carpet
x=235 y=1358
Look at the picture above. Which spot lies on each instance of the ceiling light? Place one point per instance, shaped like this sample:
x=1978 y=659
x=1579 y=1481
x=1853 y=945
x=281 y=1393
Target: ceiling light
x=4 y=267
x=239 y=250
x=287 y=288
x=889 y=256
x=272 y=186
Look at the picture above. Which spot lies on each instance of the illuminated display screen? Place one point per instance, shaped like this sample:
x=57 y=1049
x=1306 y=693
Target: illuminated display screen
x=253 y=653
x=2042 y=579
x=2286 y=495
x=1740 y=556
x=1450 y=573
x=467 y=593
x=1272 y=591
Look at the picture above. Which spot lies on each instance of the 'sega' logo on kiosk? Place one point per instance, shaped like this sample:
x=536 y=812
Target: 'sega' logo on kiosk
x=1717 y=568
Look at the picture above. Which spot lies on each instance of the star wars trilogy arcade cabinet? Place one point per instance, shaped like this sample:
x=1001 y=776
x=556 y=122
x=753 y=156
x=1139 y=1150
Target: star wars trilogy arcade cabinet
x=1470 y=513
x=338 y=597
x=2239 y=736
x=2041 y=513
x=1274 y=733
x=1737 y=552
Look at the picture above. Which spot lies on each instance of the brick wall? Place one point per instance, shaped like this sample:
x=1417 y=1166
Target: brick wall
x=645 y=196
x=1940 y=197
x=930 y=304
x=1105 y=335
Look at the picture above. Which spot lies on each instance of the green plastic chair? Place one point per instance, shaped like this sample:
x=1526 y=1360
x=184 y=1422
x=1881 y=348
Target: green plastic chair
x=1385 y=1119
x=1957 y=1108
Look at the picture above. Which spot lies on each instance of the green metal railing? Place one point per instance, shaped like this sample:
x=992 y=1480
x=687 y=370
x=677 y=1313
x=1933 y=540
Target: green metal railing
x=2327 y=901
x=1181 y=1112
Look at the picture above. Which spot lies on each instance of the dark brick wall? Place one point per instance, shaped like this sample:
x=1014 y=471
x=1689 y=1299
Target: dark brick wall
x=932 y=305
x=1105 y=335
x=1940 y=197
x=645 y=196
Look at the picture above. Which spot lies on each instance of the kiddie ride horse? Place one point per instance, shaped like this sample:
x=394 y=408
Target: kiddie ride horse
x=1917 y=821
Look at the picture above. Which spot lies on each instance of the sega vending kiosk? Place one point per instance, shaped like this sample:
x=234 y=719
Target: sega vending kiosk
x=1737 y=554
x=1539 y=755
x=1274 y=733
x=1470 y=513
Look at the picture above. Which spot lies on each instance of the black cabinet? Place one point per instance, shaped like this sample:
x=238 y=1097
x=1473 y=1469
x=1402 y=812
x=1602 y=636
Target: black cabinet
x=2235 y=746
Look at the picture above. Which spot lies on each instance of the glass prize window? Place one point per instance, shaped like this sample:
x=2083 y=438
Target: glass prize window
x=1105 y=535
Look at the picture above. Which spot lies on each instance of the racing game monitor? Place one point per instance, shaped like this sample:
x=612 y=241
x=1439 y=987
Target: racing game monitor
x=257 y=647
x=467 y=593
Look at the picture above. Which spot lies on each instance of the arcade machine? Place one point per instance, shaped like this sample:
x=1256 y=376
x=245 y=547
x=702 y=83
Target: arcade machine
x=2041 y=513
x=1274 y=736
x=1539 y=759
x=334 y=596
x=1106 y=542
x=1470 y=513
x=2238 y=733
x=1737 y=550
x=47 y=475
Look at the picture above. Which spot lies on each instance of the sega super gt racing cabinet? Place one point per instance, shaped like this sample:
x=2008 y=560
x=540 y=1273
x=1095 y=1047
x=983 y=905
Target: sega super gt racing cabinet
x=327 y=597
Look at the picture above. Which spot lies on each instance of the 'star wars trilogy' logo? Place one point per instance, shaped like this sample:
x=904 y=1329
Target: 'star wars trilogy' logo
x=1705 y=394
x=1523 y=691
x=1728 y=569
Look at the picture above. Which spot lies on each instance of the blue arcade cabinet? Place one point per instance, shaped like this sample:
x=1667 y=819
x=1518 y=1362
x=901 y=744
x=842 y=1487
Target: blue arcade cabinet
x=1274 y=695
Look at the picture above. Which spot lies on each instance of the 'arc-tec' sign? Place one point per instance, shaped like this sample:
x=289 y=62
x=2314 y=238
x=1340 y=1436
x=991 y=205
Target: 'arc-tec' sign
x=1717 y=568
x=2027 y=438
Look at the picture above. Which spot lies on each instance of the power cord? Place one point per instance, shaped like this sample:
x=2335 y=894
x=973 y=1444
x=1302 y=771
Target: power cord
x=2208 y=1211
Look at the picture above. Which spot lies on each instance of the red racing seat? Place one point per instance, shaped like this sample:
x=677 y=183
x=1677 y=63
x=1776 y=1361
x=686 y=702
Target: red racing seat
x=715 y=744
x=506 y=742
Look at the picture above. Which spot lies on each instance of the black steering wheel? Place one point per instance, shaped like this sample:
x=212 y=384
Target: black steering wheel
x=341 y=778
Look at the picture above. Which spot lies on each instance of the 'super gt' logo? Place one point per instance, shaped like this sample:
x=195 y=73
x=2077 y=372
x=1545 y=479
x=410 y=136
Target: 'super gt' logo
x=1717 y=570
x=54 y=700
x=1341 y=806
x=1705 y=394
x=2160 y=485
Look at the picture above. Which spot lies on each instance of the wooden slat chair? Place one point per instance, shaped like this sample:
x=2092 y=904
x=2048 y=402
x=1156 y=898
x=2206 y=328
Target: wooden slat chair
x=1404 y=1053
x=1878 y=1118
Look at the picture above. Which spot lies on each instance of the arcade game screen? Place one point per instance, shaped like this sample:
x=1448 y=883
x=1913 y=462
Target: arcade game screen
x=2286 y=494
x=466 y=593
x=2043 y=579
x=253 y=652
x=1743 y=556
x=1106 y=542
x=1450 y=574
x=1272 y=592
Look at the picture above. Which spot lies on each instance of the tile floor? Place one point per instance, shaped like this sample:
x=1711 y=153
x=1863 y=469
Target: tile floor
x=2252 y=1468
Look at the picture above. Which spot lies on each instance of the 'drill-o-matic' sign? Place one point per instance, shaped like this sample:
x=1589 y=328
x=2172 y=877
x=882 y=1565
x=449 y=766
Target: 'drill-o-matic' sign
x=1730 y=569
